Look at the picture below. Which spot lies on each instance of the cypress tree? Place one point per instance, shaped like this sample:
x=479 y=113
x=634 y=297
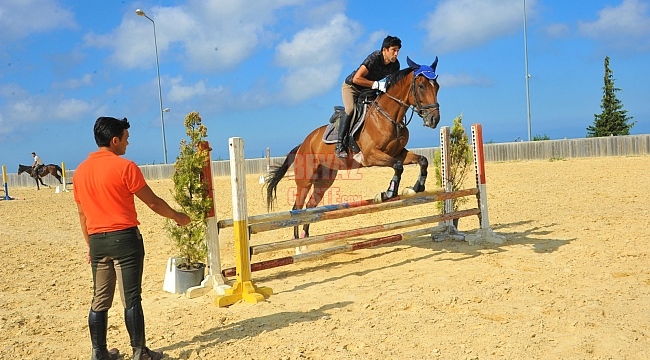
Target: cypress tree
x=613 y=120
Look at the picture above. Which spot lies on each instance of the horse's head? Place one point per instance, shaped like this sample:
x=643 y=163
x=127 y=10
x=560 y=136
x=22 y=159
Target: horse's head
x=21 y=168
x=425 y=92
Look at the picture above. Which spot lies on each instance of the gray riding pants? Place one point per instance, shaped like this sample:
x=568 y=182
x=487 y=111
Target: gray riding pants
x=116 y=256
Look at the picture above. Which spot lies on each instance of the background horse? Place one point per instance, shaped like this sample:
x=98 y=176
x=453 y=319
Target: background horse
x=382 y=140
x=52 y=169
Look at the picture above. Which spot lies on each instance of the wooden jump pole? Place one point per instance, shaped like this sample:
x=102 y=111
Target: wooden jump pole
x=258 y=249
x=214 y=280
x=243 y=287
x=268 y=264
x=285 y=215
x=367 y=209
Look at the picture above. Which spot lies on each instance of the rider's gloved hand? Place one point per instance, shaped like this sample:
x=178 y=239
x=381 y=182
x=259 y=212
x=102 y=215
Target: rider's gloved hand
x=379 y=85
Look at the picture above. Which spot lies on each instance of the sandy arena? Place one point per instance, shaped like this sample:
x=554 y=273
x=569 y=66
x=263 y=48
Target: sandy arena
x=572 y=280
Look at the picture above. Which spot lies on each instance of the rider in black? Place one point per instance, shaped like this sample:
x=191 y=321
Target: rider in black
x=370 y=73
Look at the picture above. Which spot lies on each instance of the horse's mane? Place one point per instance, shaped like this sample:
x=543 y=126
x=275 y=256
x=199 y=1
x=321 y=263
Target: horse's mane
x=394 y=78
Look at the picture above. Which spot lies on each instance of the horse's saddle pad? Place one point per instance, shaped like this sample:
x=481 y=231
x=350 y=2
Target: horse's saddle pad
x=331 y=134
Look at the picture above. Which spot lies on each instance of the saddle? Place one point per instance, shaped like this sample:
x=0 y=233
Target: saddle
x=331 y=134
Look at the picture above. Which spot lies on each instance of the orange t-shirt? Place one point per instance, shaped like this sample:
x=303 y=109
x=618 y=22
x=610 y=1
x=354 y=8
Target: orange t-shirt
x=104 y=186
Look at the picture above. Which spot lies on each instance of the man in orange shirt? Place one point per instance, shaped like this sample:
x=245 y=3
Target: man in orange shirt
x=104 y=189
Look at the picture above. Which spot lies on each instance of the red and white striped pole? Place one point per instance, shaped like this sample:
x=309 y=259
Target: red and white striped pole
x=485 y=233
x=214 y=280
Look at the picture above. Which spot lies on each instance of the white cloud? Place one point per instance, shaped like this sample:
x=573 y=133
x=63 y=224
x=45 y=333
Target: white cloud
x=181 y=93
x=461 y=24
x=207 y=35
x=24 y=109
x=314 y=57
x=21 y=18
x=557 y=30
x=71 y=109
x=450 y=80
x=304 y=83
x=624 y=27
x=85 y=80
x=318 y=45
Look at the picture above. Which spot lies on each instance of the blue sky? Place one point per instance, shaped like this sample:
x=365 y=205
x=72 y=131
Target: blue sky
x=271 y=71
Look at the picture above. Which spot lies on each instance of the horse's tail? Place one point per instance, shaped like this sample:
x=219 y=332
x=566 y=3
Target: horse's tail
x=58 y=169
x=275 y=175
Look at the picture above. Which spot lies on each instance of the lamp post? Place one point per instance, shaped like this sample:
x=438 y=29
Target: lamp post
x=527 y=74
x=162 y=119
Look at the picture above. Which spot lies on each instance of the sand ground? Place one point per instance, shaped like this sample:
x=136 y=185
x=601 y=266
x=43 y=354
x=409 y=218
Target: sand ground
x=572 y=280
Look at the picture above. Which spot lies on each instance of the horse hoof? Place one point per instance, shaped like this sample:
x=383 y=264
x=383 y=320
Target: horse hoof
x=408 y=191
x=301 y=249
x=379 y=198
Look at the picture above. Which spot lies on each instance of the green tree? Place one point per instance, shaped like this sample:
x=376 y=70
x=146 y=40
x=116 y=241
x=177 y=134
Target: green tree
x=191 y=193
x=460 y=161
x=613 y=120
x=541 y=137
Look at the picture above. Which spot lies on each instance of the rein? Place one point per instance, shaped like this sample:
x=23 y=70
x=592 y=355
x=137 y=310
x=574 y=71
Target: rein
x=417 y=107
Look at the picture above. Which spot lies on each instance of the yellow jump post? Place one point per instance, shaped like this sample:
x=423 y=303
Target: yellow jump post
x=5 y=185
x=243 y=287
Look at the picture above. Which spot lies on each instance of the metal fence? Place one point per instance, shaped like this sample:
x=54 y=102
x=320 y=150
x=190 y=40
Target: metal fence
x=631 y=145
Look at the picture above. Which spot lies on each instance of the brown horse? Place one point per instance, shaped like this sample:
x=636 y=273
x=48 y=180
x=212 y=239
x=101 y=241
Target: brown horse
x=382 y=140
x=52 y=169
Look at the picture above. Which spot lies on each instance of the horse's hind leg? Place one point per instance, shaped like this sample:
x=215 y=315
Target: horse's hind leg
x=325 y=179
x=301 y=196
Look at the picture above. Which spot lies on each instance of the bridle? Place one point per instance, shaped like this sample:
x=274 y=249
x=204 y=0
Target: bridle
x=417 y=107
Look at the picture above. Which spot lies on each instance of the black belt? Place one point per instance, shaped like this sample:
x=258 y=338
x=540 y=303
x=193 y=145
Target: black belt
x=116 y=231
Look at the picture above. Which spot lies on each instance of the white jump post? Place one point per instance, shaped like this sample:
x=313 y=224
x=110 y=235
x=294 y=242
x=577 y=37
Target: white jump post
x=485 y=233
x=214 y=280
x=243 y=287
x=268 y=165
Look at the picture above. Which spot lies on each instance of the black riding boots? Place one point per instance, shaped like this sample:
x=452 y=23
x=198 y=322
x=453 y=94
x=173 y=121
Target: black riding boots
x=134 y=319
x=344 y=128
x=98 y=325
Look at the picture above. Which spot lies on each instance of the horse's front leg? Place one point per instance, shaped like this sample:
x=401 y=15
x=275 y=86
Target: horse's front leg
x=378 y=158
x=408 y=158
x=393 y=186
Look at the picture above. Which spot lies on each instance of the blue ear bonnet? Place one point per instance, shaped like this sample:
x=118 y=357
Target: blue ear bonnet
x=426 y=71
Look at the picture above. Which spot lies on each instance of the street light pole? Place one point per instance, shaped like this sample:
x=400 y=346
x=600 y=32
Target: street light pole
x=162 y=119
x=527 y=74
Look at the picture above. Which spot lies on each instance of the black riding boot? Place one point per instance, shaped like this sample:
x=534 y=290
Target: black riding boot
x=98 y=325
x=344 y=127
x=134 y=319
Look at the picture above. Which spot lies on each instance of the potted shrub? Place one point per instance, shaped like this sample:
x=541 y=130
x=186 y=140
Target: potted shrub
x=191 y=195
x=461 y=162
